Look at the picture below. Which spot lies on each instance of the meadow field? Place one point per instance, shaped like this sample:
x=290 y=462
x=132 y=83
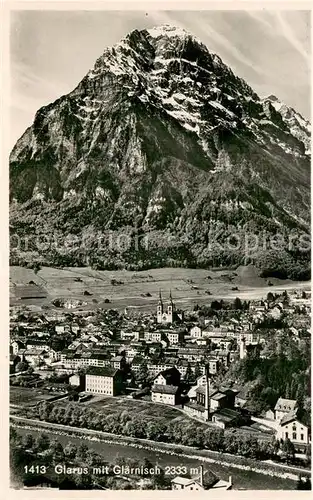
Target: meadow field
x=23 y=396
x=140 y=290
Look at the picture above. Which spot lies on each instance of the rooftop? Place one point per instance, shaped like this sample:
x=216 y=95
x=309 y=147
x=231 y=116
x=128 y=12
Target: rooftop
x=286 y=405
x=105 y=371
x=165 y=389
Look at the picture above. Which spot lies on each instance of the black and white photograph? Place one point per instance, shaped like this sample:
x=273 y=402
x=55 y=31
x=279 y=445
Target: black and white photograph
x=159 y=248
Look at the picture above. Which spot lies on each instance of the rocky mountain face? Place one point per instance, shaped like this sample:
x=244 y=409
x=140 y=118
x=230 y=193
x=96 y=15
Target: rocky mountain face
x=162 y=156
x=298 y=126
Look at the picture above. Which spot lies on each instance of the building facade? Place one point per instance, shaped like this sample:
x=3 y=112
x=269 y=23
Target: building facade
x=103 y=381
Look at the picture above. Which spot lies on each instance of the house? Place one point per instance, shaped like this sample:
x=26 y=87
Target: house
x=250 y=337
x=16 y=346
x=167 y=394
x=153 y=336
x=168 y=377
x=37 y=345
x=227 y=417
x=201 y=341
x=104 y=380
x=78 y=381
x=175 y=337
x=205 y=481
x=196 y=332
x=118 y=362
x=283 y=407
x=223 y=357
x=258 y=306
x=191 y=353
x=155 y=368
x=97 y=359
x=205 y=400
x=270 y=415
x=275 y=312
x=291 y=427
x=213 y=363
x=34 y=357
x=129 y=335
x=52 y=356
x=59 y=329
x=136 y=363
x=241 y=398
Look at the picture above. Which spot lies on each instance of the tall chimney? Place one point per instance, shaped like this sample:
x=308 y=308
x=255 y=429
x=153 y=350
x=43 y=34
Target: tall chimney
x=201 y=475
x=207 y=393
x=242 y=348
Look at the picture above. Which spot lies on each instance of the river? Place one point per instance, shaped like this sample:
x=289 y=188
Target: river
x=241 y=479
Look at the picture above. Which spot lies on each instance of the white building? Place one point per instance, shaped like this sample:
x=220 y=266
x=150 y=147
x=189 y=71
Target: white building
x=103 y=381
x=196 y=332
x=175 y=337
x=205 y=481
x=283 y=407
x=167 y=394
x=290 y=427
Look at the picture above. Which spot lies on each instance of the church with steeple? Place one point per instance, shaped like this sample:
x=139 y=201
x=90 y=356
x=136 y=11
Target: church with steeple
x=169 y=314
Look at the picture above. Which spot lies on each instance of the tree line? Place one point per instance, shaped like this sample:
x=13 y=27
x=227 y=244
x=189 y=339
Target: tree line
x=180 y=431
x=28 y=449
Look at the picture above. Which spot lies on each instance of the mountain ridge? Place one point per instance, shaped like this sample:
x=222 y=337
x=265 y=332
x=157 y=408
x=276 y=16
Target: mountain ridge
x=162 y=137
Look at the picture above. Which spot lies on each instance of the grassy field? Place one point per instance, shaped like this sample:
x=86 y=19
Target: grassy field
x=142 y=408
x=112 y=406
x=23 y=396
x=140 y=290
x=148 y=410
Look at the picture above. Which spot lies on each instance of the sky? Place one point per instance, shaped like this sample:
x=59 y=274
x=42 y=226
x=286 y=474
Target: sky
x=51 y=51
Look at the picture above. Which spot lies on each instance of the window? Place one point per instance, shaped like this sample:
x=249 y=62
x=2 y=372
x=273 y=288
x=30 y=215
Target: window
x=302 y=437
x=286 y=435
x=294 y=435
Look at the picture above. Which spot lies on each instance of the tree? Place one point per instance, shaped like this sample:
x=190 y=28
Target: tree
x=45 y=410
x=70 y=450
x=189 y=375
x=288 y=450
x=13 y=434
x=56 y=450
x=22 y=366
x=198 y=371
x=28 y=441
x=143 y=374
x=82 y=452
x=303 y=485
x=237 y=304
x=42 y=442
x=307 y=484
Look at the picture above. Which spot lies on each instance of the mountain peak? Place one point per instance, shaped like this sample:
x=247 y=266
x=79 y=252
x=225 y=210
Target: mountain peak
x=168 y=30
x=160 y=135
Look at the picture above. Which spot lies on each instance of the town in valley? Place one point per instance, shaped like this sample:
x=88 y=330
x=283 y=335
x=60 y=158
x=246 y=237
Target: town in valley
x=160 y=259
x=229 y=376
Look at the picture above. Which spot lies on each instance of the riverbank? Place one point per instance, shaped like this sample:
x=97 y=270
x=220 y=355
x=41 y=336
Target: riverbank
x=186 y=452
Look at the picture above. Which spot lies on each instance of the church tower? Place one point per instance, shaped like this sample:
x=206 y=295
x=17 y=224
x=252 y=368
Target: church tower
x=160 y=309
x=170 y=310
